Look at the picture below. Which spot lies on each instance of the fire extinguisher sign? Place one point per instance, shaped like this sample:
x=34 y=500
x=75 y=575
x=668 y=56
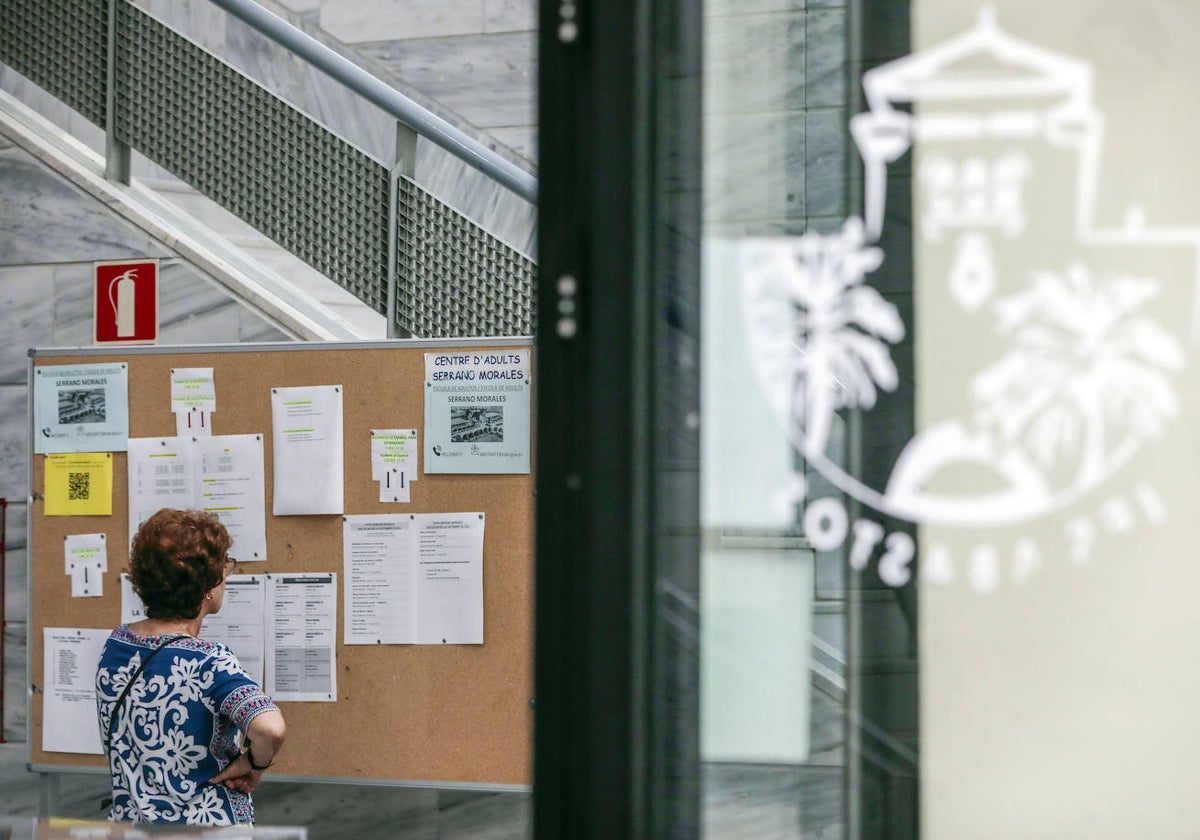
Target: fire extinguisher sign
x=126 y=302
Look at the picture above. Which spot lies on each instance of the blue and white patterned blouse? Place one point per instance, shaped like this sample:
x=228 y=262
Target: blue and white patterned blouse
x=177 y=728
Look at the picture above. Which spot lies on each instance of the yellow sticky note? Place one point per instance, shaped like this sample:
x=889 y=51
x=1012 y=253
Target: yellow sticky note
x=79 y=484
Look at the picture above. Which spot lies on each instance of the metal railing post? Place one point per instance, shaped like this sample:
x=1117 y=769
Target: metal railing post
x=116 y=153
x=405 y=166
x=48 y=794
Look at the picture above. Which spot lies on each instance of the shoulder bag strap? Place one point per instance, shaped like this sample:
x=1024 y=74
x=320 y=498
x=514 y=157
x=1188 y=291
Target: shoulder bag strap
x=112 y=720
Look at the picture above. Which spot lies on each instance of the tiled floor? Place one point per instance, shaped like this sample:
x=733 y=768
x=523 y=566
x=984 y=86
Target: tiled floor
x=328 y=811
x=741 y=802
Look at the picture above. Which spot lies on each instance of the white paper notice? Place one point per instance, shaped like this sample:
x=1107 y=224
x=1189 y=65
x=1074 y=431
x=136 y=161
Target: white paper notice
x=449 y=582
x=222 y=475
x=81 y=408
x=394 y=462
x=87 y=581
x=230 y=486
x=393 y=449
x=301 y=661
x=307 y=426
x=193 y=400
x=378 y=553
x=394 y=486
x=160 y=476
x=193 y=389
x=70 y=658
x=240 y=624
x=477 y=411
x=193 y=423
x=86 y=560
x=85 y=548
x=414 y=578
x=132 y=608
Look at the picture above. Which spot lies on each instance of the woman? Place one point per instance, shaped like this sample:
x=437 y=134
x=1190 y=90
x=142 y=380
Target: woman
x=171 y=705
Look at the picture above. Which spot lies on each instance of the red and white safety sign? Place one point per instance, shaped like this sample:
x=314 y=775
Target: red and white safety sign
x=126 y=302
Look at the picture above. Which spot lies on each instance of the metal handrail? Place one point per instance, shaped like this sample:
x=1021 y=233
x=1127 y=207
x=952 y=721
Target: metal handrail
x=422 y=121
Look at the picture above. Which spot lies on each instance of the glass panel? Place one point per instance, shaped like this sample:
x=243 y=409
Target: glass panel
x=808 y=608
x=1054 y=468
x=949 y=294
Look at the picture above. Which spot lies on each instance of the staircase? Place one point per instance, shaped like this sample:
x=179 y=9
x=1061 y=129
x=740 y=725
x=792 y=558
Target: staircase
x=307 y=241
x=302 y=281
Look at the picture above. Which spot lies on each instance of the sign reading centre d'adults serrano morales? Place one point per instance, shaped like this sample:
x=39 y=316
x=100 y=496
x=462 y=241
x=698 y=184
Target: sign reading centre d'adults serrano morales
x=477 y=406
x=81 y=408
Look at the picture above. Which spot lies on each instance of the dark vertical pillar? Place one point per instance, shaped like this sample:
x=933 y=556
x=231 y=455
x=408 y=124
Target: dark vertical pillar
x=616 y=732
x=882 y=791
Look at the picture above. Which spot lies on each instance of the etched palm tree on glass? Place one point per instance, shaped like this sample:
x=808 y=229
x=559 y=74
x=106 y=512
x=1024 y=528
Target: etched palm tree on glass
x=1083 y=363
x=841 y=330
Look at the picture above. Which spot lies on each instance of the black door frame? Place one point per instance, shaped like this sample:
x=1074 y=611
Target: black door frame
x=617 y=647
x=616 y=751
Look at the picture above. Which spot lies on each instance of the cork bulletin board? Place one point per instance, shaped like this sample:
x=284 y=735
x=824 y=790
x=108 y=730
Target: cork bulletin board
x=405 y=714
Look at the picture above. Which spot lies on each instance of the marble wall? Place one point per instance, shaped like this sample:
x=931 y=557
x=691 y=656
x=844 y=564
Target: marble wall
x=50 y=233
x=775 y=102
x=477 y=58
x=473 y=64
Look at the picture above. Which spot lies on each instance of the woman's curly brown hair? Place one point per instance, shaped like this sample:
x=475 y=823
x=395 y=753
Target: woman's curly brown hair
x=177 y=556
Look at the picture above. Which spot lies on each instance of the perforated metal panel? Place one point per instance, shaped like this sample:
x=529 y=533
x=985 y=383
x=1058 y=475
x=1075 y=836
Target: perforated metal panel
x=454 y=278
x=254 y=154
x=60 y=46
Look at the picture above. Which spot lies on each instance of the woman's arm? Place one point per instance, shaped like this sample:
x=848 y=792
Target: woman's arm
x=264 y=737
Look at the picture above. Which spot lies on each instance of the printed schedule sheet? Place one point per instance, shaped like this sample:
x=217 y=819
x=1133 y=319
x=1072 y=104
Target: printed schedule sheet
x=302 y=637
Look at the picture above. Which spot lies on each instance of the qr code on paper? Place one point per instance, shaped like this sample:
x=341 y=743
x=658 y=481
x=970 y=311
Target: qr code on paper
x=78 y=486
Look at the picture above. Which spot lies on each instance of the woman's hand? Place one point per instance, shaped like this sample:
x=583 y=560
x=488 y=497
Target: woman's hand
x=265 y=732
x=238 y=775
